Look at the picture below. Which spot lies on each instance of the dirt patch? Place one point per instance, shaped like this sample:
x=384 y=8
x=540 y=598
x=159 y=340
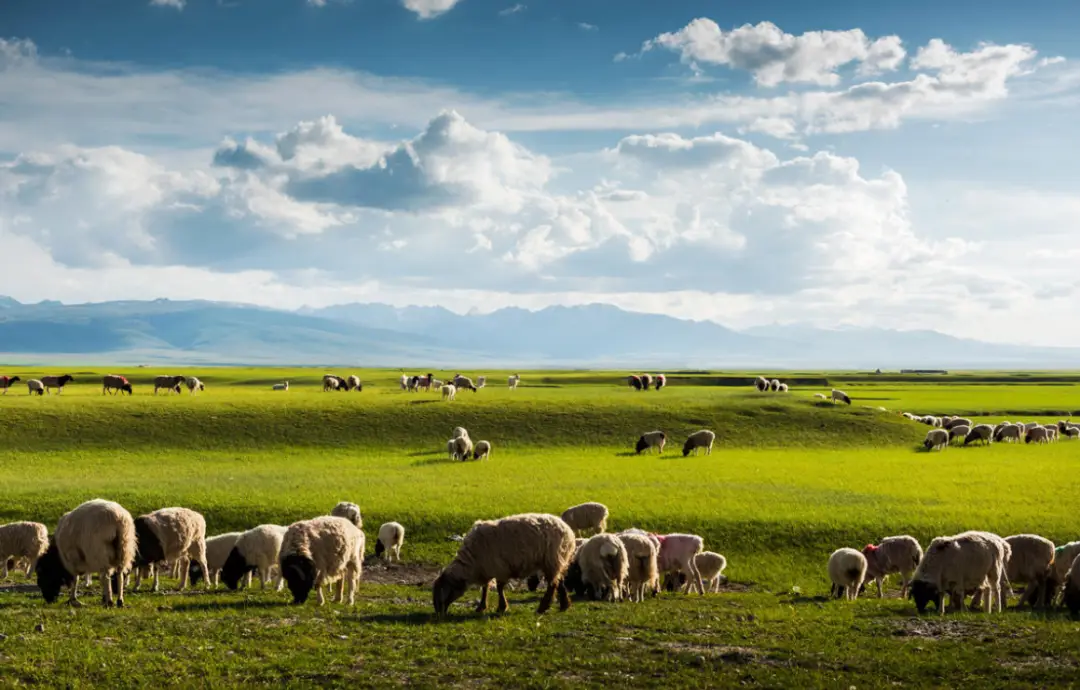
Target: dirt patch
x=935 y=629
x=380 y=573
x=1038 y=663
x=726 y=653
x=12 y=588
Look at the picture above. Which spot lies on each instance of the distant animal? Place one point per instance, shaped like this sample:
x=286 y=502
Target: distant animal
x=783 y=388
x=333 y=383
x=404 y=382
x=660 y=381
x=194 y=385
x=699 y=439
x=111 y=383
x=650 y=440
x=169 y=383
x=761 y=384
x=6 y=381
x=463 y=382
x=513 y=381
x=56 y=382
x=481 y=381
x=646 y=381
x=283 y=386
x=635 y=382
x=841 y=396
x=449 y=391
x=353 y=383
x=774 y=385
x=35 y=386
x=482 y=450
x=821 y=396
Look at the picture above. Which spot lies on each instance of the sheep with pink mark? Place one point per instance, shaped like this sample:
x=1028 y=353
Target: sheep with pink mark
x=677 y=554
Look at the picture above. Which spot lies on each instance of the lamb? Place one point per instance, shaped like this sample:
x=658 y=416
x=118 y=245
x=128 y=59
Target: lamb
x=460 y=448
x=783 y=388
x=635 y=382
x=980 y=433
x=448 y=391
x=699 y=439
x=958 y=432
x=841 y=396
x=482 y=450
x=97 y=536
x=661 y=381
x=349 y=511
x=604 y=565
x=353 y=383
x=513 y=547
x=23 y=540
x=177 y=535
x=257 y=550
x=218 y=549
x=711 y=566
x=169 y=383
x=513 y=381
x=283 y=386
x=956 y=564
x=6 y=381
x=774 y=385
x=901 y=554
x=586 y=517
x=1064 y=555
x=650 y=440
x=113 y=383
x=320 y=551
x=1037 y=435
x=1030 y=562
x=677 y=554
x=463 y=382
x=194 y=385
x=847 y=570
x=761 y=384
x=35 y=386
x=391 y=537
x=936 y=439
x=957 y=421
x=1008 y=432
x=56 y=382
x=641 y=553
x=1071 y=598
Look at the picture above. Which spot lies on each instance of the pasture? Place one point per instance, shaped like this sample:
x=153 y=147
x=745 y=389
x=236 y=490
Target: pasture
x=789 y=480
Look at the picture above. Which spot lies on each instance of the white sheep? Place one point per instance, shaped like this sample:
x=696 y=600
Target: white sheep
x=711 y=566
x=960 y=431
x=460 y=432
x=349 y=511
x=840 y=396
x=177 y=535
x=1037 y=434
x=218 y=549
x=983 y=433
x=901 y=554
x=257 y=550
x=391 y=537
x=677 y=554
x=1008 y=433
x=650 y=440
x=604 y=565
x=1051 y=432
x=481 y=381
x=448 y=391
x=96 y=537
x=482 y=451
x=1064 y=555
x=847 y=570
x=283 y=386
x=353 y=383
x=194 y=385
x=404 y=382
x=459 y=448
x=511 y=548
x=586 y=517
x=783 y=388
x=1030 y=562
x=321 y=551
x=774 y=385
x=699 y=439
x=26 y=541
x=936 y=439
x=641 y=553
x=513 y=381
x=35 y=386
x=954 y=565
x=821 y=396
x=761 y=384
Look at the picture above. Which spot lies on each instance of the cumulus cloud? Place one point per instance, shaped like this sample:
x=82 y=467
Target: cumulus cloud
x=775 y=57
x=428 y=9
x=16 y=51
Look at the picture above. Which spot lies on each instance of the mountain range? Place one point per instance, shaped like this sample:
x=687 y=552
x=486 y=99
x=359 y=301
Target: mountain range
x=593 y=335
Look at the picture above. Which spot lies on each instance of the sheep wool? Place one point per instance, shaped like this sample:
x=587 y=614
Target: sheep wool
x=678 y=554
x=641 y=551
x=699 y=439
x=847 y=570
x=257 y=550
x=604 y=565
x=953 y=565
x=217 y=552
x=936 y=439
x=587 y=517
x=349 y=511
x=322 y=551
x=650 y=440
x=177 y=535
x=391 y=537
x=1030 y=561
x=23 y=540
x=901 y=554
x=482 y=450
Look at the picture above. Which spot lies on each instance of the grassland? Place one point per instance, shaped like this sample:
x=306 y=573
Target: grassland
x=788 y=481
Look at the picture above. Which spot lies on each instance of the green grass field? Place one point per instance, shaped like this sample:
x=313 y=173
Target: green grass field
x=789 y=480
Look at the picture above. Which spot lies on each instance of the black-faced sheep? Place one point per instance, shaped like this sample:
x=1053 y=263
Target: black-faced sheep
x=35 y=386
x=177 y=535
x=901 y=554
x=936 y=439
x=980 y=433
x=586 y=517
x=774 y=385
x=321 y=551
x=634 y=382
x=171 y=384
x=6 y=381
x=840 y=396
x=847 y=570
x=604 y=565
x=111 y=383
x=391 y=537
x=27 y=541
x=333 y=383
x=513 y=382
x=1037 y=435
x=256 y=551
x=650 y=440
x=956 y=432
x=646 y=381
x=699 y=439
x=463 y=382
x=353 y=383
x=460 y=448
x=194 y=385
x=761 y=384
x=57 y=382
x=660 y=381
x=954 y=565
x=482 y=451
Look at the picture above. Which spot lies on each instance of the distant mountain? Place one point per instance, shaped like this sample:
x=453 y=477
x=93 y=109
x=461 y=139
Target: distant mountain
x=376 y=334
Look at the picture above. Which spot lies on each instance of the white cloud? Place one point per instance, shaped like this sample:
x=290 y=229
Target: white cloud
x=427 y=9
x=513 y=9
x=775 y=57
x=16 y=51
x=177 y=4
x=586 y=26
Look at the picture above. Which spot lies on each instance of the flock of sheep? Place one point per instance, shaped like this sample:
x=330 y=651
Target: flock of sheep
x=974 y=563
x=947 y=429
x=110 y=383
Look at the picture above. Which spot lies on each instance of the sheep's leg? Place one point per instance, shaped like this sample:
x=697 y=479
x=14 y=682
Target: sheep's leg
x=879 y=579
x=264 y=575
x=30 y=565
x=157 y=577
x=549 y=596
x=318 y=589
x=500 y=587
x=696 y=575
x=183 y=562
x=106 y=588
x=73 y=598
x=247 y=579
x=482 y=606
x=354 y=582
x=339 y=591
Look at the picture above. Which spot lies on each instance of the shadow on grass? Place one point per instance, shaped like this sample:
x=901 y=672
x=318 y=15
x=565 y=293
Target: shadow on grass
x=226 y=605
x=423 y=402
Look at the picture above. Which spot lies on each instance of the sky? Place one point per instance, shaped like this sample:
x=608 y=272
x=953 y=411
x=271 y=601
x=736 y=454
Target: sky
x=895 y=165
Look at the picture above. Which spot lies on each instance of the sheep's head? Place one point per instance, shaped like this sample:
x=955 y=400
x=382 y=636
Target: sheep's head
x=379 y=548
x=127 y=389
x=641 y=445
x=235 y=569
x=52 y=576
x=195 y=573
x=447 y=589
x=299 y=574
x=1071 y=598
x=924 y=593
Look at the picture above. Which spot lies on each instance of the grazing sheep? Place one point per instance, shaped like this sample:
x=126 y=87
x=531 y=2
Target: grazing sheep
x=482 y=451
x=1030 y=562
x=448 y=391
x=761 y=384
x=111 y=383
x=957 y=421
x=257 y=550
x=1071 y=432
x=283 y=386
x=23 y=540
x=322 y=551
x=847 y=570
x=194 y=385
x=931 y=420
x=634 y=381
x=841 y=396
x=604 y=565
x=391 y=537
x=463 y=382
x=35 y=386
x=460 y=448
x=349 y=511
x=513 y=381
x=1051 y=432
x=646 y=381
x=650 y=440
x=936 y=439
x=513 y=547
x=901 y=554
x=1037 y=435
x=957 y=432
x=586 y=517
x=404 y=382
x=460 y=432
x=699 y=439
x=822 y=396
x=711 y=565
x=6 y=381
x=96 y=537
x=218 y=549
x=906 y=415
x=983 y=433
x=774 y=385
x=1008 y=433
x=353 y=383
x=641 y=553
x=677 y=554
x=660 y=381
x=1071 y=597
x=481 y=381
x=1064 y=556
x=171 y=384
x=451 y=449
x=57 y=382
x=177 y=535
x=954 y=565
x=332 y=383
x=783 y=388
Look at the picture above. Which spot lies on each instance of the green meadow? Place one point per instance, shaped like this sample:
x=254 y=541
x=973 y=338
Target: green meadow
x=790 y=479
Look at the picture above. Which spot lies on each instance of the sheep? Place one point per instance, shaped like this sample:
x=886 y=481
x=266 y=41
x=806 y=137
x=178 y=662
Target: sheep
x=930 y=420
x=35 y=386
x=97 y=536
x=711 y=565
x=353 y=383
x=194 y=385
x=634 y=382
x=171 y=384
x=1037 y=435
x=481 y=381
x=958 y=432
x=512 y=547
x=463 y=382
x=957 y=421
x=783 y=388
x=1064 y=555
x=677 y=554
x=761 y=384
x=1071 y=597
x=332 y=383
x=111 y=383
x=822 y=396
x=1007 y=432
x=451 y=449
x=901 y=554
x=953 y=565
x=460 y=432
x=847 y=570
x=650 y=440
x=257 y=550
x=177 y=535
x=646 y=381
x=641 y=552
x=391 y=537
x=448 y=391
x=841 y=396
x=1071 y=432
x=460 y=448
x=604 y=565
x=56 y=382
x=1051 y=432
x=218 y=549
x=513 y=381
x=23 y=540
x=283 y=386
x=6 y=381
x=1030 y=562
x=404 y=382
x=774 y=385
x=936 y=438
x=660 y=381
x=586 y=517
x=482 y=451
x=699 y=439
x=321 y=551
x=980 y=433
x=349 y=511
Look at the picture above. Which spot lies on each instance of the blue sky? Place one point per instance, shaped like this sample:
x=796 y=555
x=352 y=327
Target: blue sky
x=903 y=165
